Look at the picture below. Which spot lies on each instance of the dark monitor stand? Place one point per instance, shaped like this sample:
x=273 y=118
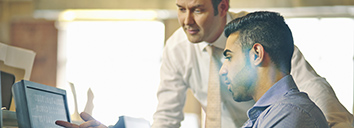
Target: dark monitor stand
x=38 y=105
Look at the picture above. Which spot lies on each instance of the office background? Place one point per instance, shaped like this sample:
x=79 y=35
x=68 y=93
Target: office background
x=113 y=47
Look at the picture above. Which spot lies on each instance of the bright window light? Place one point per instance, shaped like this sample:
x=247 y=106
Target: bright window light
x=99 y=14
x=327 y=44
x=119 y=61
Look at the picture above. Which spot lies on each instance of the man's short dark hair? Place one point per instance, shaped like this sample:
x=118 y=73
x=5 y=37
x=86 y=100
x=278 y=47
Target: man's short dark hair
x=270 y=30
x=215 y=6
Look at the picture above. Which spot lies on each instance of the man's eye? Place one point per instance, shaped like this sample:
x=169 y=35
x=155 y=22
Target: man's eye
x=182 y=9
x=197 y=11
x=228 y=58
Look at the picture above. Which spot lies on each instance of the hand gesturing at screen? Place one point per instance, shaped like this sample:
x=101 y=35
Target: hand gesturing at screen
x=90 y=122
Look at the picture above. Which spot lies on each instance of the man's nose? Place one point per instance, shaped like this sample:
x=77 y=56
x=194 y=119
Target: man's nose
x=189 y=19
x=223 y=71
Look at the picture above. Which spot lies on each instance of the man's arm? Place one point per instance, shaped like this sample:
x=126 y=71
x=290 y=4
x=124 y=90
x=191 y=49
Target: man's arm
x=320 y=92
x=171 y=93
x=291 y=116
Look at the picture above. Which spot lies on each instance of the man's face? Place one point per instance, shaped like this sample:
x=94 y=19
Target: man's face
x=198 y=21
x=238 y=73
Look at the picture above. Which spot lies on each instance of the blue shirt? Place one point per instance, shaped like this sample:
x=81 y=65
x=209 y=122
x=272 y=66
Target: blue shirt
x=283 y=106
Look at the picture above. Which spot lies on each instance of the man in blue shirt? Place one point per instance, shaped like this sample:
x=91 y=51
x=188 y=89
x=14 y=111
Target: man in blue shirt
x=258 y=61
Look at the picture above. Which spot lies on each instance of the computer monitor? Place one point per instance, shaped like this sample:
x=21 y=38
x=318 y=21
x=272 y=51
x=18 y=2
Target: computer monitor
x=7 y=80
x=38 y=105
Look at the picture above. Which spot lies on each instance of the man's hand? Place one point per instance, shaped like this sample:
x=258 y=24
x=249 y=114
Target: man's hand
x=90 y=122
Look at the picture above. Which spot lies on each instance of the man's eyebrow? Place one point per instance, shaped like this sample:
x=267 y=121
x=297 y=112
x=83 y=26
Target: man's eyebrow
x=178 y=5
x=196 y=6
x=226 y=51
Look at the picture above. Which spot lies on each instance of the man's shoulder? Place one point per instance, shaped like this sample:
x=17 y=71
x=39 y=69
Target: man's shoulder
x=179 y=41
x=235 y=15
x=179 y=48
x=177 y=38
x=296 y=109
x=298 y=100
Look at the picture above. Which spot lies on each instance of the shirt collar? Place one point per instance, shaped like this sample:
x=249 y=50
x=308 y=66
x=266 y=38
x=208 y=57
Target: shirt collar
x=278 y=90
x=220 y=42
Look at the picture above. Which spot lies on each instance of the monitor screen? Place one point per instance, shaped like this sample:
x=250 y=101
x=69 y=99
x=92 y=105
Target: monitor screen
x=38 y=105
x=7 y=80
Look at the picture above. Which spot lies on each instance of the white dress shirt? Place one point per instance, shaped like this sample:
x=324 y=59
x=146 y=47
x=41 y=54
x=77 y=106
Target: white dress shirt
x=186 y=65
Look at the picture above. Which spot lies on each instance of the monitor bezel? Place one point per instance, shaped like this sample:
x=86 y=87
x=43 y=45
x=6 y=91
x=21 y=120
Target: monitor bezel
x=20 y=90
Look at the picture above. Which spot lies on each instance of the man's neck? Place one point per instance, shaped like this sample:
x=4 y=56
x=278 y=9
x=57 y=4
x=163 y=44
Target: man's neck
x=266 y=79
x=220 y=30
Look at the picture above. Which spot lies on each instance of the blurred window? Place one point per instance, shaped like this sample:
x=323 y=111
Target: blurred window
x=327 y=44
x=119 y=61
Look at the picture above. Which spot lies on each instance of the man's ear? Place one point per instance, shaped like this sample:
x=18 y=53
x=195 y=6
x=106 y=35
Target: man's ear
x=257 y=54
x=223 y=7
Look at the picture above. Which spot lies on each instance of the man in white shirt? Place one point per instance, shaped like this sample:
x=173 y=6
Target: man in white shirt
x=185 y=64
